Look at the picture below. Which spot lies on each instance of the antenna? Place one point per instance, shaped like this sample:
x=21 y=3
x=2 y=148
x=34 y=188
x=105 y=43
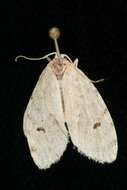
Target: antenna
x=54 y=33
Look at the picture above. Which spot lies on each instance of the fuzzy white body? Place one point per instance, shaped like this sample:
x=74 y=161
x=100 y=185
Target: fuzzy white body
x=64 y=94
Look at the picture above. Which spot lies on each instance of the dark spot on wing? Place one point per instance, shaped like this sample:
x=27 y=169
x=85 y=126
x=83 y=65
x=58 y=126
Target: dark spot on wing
x=96 y=125
x=41 y=129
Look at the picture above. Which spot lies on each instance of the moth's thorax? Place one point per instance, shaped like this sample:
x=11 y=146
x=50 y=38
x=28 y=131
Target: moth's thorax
x=58 y=66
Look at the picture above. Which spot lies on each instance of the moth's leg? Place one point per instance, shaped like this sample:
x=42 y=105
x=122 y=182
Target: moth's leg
x=67 y=57
x=93 y=81
x=97 y=81
x=76 y=62
x=48 y=58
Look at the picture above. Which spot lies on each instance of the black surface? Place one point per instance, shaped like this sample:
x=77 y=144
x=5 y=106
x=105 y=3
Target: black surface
x=95 y=32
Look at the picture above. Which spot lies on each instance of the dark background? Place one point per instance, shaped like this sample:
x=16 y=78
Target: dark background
x=93 y=31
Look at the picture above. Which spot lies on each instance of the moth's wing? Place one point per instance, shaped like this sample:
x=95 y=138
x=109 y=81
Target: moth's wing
x=44 y=123
x=89 y=123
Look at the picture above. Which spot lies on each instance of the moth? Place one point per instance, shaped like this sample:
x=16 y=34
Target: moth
x=65 y=104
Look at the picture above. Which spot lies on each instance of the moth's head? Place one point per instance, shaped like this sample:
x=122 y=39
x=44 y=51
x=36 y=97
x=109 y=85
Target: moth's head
x=59 y=65
x=61 y=61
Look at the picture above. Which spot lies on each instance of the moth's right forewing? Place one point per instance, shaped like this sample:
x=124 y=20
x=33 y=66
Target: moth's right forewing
x=44 y=122
x=89 y=122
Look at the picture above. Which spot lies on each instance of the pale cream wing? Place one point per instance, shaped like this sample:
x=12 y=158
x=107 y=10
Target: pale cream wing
x=89 y=123
x=44 y=122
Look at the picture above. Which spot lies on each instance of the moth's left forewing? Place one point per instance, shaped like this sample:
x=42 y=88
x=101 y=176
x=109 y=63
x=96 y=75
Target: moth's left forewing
x=44 y=121
x=89 y=122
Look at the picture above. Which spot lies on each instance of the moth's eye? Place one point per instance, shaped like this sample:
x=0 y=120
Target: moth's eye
x=64 y=63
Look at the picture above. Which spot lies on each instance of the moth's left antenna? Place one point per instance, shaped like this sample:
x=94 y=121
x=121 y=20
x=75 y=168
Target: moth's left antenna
x=54 y=33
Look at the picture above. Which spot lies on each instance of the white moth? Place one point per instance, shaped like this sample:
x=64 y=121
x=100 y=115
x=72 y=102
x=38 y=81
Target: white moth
x=65 y=96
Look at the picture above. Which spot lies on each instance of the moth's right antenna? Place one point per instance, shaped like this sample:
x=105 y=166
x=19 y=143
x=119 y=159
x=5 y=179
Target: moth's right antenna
x=54 y=33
